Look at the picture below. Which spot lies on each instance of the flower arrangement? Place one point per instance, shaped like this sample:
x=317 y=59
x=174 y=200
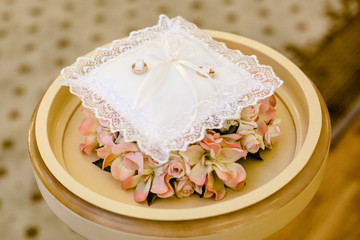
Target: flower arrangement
x=207 y=167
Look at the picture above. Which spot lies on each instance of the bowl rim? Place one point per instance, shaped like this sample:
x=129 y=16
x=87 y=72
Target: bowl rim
x=299 y=161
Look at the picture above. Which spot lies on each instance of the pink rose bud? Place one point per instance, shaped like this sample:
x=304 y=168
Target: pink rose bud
x=176 y=168
x=250 y=113
x=272 y=133
x=184 y=187
x=246 y=127
x=252 y=142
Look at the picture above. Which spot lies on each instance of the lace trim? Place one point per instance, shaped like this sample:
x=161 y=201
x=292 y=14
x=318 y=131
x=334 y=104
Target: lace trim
x=74 y=75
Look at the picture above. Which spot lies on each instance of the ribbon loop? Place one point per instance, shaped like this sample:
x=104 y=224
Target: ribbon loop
x=158 y=73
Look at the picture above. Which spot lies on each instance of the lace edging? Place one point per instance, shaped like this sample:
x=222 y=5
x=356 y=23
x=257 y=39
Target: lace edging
x=73 y=75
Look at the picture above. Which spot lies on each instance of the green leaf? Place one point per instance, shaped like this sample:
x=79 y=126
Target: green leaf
x=202 y=192
x=99 y=163
x=150 y=198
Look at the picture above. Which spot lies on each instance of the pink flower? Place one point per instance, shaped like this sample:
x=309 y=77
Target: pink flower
x=161 y=185
x=142 y=184
x=135 y=171
x=89 y=124
x=272 y=100
x=184 y=187
x=211 y=142
x=252 y=142
x=250 y=113
x=193 y=154
x=230 y=140
x=272 y=133
x=89 y=146
x=205 y=162
x=210 y=164
x=119 y=171
x=232 y=174
x=88 y=128
x=177 y=167
x=266 y=113
x=105 y=137
x=110 y=153
x=215 y=186
x=246 y=127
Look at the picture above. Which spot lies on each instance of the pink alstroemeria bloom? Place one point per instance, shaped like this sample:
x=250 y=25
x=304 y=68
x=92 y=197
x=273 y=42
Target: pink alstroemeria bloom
x=214 y=185
x=105 y=137
x=88 y=128
x=231 y=174
x=161 y=185
x=266 y=113
x=112 y=146
x=135 y=171
x=110 y=153
x=89 y=124
x=211 y=142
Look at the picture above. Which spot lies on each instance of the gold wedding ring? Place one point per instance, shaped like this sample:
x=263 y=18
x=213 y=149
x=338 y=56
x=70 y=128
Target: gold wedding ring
x=139 y=71
x=211 y=72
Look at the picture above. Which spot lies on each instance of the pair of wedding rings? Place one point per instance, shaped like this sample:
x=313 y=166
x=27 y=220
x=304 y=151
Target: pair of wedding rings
x=140 y=67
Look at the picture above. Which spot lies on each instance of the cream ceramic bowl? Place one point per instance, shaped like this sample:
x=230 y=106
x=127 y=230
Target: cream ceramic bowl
x=304 y=121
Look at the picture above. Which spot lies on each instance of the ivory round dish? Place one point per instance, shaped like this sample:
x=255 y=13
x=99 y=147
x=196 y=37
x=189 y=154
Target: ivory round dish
x=268 y=215
x=299 y=105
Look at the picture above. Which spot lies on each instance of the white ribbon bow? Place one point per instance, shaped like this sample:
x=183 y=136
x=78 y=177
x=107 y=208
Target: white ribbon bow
x=157 y=75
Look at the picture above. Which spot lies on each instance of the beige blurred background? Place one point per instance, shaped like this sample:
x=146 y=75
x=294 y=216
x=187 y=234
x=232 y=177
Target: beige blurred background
x=40 y=37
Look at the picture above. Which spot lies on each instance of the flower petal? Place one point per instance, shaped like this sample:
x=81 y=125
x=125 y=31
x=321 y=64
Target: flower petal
x=228 y=155
x=134 y=161
x=124 y=147
x=105 y=138
x=238 y=180
x=119 y=171
x=81 y=147
x=214 y=185
x=89 y=124
x=262 y=127
x=233 y=136
x=103 y=152
x=162 y=187
x=142 y=190
x=108 y=160
x=264 y=105
x=90 y=145
x=272 y=100
x=213 y=147
x=131 y=182
x=159 y=185
x=227 y=144
x=223 y=172
x=198 y=173
x=193 y=154
x=267 y=114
